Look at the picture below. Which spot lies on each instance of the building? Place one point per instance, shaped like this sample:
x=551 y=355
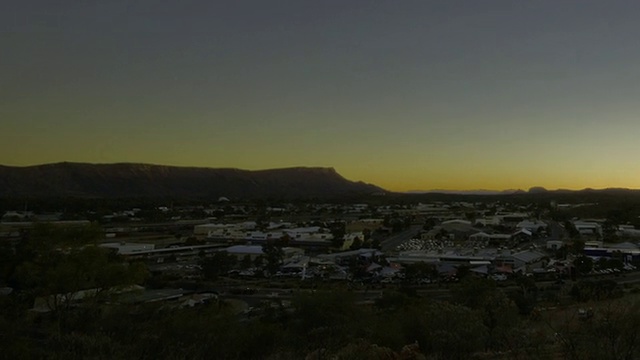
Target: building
x=488 y=221
x=123 y=248
x=532 y=225
x=482 y=236
x=627 y=255
x=589 y=229
x=253 y=251
x=526 y=260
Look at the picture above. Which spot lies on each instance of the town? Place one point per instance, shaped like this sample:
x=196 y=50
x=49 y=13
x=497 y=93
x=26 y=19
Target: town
x=261 y=260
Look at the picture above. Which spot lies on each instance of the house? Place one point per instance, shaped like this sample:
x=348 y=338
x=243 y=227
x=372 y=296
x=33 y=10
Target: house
x=522 y=235
x=524 y=260
x=532 y=226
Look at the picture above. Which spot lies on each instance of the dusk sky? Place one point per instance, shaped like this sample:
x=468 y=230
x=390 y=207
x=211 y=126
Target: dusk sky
x=403 y=94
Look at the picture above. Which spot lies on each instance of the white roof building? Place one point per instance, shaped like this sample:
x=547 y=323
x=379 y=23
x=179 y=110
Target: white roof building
x=531 y=225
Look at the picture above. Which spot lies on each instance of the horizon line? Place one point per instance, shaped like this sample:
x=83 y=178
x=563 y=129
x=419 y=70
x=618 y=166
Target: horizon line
x=468 y=191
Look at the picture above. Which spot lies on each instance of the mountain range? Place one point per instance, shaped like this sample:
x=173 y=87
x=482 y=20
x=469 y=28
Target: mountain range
x=466 y=192
x=130 y=180
x=126 y=180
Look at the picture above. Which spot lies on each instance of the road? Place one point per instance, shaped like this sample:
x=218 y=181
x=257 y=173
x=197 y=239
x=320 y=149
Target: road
x=394 y=240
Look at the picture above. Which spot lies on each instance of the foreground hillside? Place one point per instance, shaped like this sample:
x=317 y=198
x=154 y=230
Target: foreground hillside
x=142 y=180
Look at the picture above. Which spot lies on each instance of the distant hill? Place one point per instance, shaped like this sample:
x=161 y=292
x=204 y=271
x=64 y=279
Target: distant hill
x=537 y=190
x=536 y=194
x=466 y=192
x=532 y=192
x=143 y=180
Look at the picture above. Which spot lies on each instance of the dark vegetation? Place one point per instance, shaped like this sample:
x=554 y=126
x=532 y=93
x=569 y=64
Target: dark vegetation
x=479 y=320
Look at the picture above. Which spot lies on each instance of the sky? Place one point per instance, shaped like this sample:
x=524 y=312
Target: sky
x=408 y=95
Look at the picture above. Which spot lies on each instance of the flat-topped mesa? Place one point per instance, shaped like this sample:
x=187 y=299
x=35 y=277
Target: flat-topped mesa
x=147 y=180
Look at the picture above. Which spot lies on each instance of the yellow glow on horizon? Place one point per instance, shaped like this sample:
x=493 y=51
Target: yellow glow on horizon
x=601 y=157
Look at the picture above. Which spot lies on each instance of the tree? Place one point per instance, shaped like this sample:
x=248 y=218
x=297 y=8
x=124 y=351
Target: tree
x=258 y=261
x=571 y=229
x=612 y=332
x=442 y=234
x=219 y=264
x=356 y=268
x=419 y=270
x=463 y=271
x=610 y=231
x=583 y=264
x=499 y=314
x=338 y=231
x=363 y=350
x=366 y=234
x=274 y=256
x=246 y=263
x=326 y=319
x=561 y=253
x=65 y=267
x=525 y=298
x=471 y=216
x=451 y=331
x=429 y=224
x=577 y=246
x=395 y=301
x=595 y=290
x=357 y=244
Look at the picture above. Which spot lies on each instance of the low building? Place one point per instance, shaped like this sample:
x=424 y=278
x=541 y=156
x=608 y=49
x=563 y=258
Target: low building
x=532 y=226
x=528 y=259
x=253 y=251
x=123 y=248
x=522 y=235
x=482 y=236
x=589 y=229
x=627 y=255
x=628 y=231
